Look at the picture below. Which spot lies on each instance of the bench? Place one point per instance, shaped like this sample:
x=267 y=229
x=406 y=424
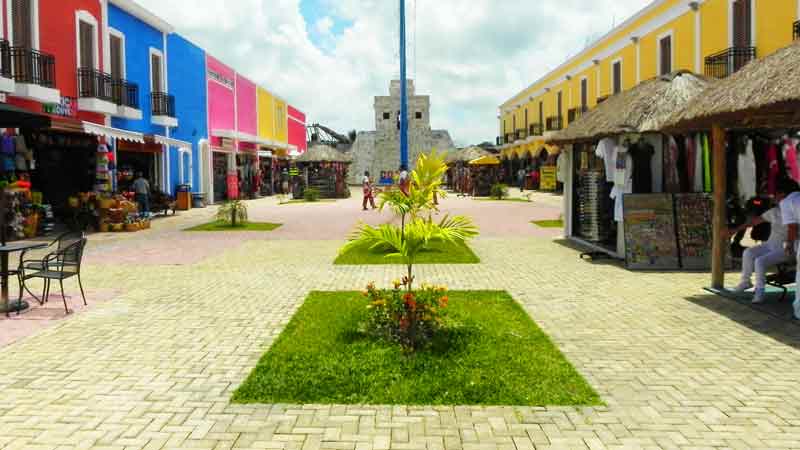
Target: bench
x=783 y=276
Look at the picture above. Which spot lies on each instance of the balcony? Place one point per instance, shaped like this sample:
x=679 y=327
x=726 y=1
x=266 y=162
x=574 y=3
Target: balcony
x=95 y=93
x=163 y=109
x=6 y=75
x=126 y=98
x=34 y=75
x=575 y=113
x=796 y=30
x=535 y=129
x=726 y=62
x=554 y=123
x=522 y=133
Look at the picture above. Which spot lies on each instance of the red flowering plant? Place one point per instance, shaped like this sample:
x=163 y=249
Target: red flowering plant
x=410 y=318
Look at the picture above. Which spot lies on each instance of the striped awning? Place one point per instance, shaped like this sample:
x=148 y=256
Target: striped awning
x=114 y=133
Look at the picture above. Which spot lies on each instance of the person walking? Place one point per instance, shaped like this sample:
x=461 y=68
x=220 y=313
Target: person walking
x=366 y=186
x=404 y=180
x=521 y=179
x=141 y=189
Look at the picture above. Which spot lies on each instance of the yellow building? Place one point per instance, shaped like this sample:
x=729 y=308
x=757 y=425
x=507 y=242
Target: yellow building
x=712 y=37
x=272 y=120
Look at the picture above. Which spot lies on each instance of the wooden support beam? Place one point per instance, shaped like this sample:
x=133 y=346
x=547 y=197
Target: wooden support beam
x=720 y=241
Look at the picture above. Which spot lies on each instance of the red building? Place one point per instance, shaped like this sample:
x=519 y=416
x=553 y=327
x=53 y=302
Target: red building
x=297 y=130
x=44 y=44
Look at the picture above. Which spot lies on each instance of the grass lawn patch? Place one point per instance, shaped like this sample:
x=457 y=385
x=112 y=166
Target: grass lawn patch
x=438 y=253
x=549 y=223
x=493 y=354
x=301 y=201
x=222 y=226
x=508 y=199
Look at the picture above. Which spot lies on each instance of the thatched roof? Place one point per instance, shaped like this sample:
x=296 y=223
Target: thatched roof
x=763 y=94
x=323 y=153
x=643 y=108
x=466 y=154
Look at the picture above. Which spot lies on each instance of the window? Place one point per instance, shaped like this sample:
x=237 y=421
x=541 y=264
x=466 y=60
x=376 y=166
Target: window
x=117 y=49
x=22 y=23
x=514 y=123
x=665 y=55
x=156 y=71
x=584 y=94
x=541 y=113
x=526 y=118
x=418 y=115
x=559 y=98
x=742 y=32
x=86 y=41
x=616 y=77
x=386 y=116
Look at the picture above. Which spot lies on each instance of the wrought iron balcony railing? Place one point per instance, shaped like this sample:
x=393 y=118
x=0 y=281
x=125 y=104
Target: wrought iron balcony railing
x=554 y=123
x=125 y=93
x=575 y=113
x=163 y=104
x=535 y=129
x=33 y=67
x=5 y=59
x=93 y=83
x=726 y=62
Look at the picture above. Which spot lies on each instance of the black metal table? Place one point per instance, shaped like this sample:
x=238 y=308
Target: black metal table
x=5 y=251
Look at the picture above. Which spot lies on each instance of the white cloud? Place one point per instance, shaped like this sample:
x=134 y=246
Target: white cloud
x=469 y=56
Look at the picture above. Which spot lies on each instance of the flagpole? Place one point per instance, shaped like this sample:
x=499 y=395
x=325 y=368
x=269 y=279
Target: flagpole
x=403 y=90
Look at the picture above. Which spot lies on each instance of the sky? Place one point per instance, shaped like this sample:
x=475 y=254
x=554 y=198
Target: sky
x=329 y=58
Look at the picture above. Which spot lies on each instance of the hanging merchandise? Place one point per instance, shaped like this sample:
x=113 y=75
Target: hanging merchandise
x=697 y=180
x=673 y=180
x=773 y=169
x=790 y=156
x=103 y=175
x=642 y=154
x=691 y=161
x=607 y=150
x=706 y=165
x=623 y=181
x=746 y=172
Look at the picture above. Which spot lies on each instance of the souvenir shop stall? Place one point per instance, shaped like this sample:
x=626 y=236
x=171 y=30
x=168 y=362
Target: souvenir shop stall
x=248 y=172
x=281 y=179
x=324 y=168
x=265 y=172
x=632 y=192
x=484 y=172
x=459 y=172
x=754 y=126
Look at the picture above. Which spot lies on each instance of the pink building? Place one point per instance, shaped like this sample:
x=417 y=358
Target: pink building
x=221 y=162
x=297 y=129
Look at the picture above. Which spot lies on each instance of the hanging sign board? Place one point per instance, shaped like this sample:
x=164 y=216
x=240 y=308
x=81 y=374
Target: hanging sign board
x=650 y=239
x=547 y=180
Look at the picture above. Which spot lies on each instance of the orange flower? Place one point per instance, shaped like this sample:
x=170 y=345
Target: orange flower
x=443 y=301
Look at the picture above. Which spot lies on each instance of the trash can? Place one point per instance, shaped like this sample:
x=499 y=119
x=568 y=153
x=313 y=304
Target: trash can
x=198 y=200
x=184 y=197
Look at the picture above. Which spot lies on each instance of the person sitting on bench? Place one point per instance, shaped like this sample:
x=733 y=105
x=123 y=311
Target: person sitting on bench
x=760 y=258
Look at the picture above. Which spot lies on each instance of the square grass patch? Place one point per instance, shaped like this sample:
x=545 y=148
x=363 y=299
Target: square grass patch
x=507 y=199
x=306 y=202
x=549 y=223
x=439 y=252
x=494 y=354
x=222 y=226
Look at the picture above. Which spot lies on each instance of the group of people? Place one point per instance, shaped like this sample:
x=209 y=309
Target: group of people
x=368 y=186
x=781 y=246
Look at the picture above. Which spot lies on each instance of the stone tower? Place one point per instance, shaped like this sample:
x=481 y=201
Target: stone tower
x=379 y=150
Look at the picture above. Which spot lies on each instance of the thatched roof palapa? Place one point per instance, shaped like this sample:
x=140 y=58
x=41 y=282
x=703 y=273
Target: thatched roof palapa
x=641 y=109
x=323 y=153
x=763 y=94
x=466 y=155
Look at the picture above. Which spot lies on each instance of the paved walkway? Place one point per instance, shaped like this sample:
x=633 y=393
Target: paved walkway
x=155 y=367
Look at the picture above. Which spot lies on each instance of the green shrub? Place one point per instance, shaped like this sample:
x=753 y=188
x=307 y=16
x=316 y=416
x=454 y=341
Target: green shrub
x=233 y=213
x=311 y=195
x=499 y=191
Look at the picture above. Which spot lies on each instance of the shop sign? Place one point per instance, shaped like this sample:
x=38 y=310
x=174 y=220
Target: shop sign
x=227 y=144
x=67 y=107
x=221 y=79
x=233 y=186
x=547 y=181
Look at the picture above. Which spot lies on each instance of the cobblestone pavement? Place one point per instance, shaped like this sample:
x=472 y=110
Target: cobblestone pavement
x=155 y=367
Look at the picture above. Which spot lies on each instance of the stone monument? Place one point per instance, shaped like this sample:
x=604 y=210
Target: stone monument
x=379 y=151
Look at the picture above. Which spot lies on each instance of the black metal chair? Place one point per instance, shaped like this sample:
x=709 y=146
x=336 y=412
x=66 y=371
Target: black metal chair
x=32 y=259
x=62 y=264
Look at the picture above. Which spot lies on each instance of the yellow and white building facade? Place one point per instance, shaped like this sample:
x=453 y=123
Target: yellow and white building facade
x=712 y=37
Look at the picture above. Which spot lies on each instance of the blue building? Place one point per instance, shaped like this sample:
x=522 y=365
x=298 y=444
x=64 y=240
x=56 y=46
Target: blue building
x=138 y=55
x=187 y=71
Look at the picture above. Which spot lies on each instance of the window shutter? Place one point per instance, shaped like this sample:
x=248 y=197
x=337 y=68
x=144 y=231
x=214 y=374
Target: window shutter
x=666 y=55
x=541 y=114
x=584 y=93
x=558 y=104
x=741 y=23
x=22 y=21
x=617 y=78
x=155 y=66
x=116 y=58
x=87 y=46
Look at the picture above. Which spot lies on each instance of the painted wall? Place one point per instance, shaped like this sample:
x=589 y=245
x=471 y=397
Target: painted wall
x=221 y=103
x=139 y=39
x=297 y=128
x=281 y=120
x=187 y=64
x=246 y=109
x=266 y=114
x=58 y=37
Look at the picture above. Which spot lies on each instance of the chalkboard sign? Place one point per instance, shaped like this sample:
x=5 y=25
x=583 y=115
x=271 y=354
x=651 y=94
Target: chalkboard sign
x=547 y=181
x=694 y=230
x=650 y=241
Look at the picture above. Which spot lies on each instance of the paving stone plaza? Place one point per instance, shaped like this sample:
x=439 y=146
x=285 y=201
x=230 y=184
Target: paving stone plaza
x=185 y=317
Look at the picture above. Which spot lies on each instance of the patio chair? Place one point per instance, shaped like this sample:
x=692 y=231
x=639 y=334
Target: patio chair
x=62 y=264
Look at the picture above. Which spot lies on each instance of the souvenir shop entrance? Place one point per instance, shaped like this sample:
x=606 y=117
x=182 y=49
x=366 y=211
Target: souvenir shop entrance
x=134 y=158
x=247 y=171
x=265 y=171
x=219 y=167
x=62 y=166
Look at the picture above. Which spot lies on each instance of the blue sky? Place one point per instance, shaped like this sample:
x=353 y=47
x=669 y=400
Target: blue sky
x=313 y=12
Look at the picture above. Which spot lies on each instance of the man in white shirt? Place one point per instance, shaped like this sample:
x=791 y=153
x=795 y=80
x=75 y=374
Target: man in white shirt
x=790 y=213
x=760 y=258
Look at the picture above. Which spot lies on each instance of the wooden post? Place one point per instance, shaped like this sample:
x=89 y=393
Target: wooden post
x=720 y=221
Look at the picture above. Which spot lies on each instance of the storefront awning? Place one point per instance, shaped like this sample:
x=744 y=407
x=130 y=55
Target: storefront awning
x=115 y=133
x=487 y=160
x=243 y=137
x=163 y=140
x=14 y=117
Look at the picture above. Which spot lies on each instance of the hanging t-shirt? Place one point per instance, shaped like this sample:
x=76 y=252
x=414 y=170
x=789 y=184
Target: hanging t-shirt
x=626 y=187
x=773 y=169
x=642 y=155
x=779 y=232
x=706 y=165
x=691 y=162
x=790 y=156
x=622 y=167
x=606 y=149
x=673 y=181
x=746 y=173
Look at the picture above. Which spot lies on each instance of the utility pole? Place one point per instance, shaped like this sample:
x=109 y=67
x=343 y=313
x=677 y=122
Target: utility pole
x=403 y=90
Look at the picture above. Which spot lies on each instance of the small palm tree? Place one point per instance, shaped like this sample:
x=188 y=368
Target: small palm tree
x=417 y=236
